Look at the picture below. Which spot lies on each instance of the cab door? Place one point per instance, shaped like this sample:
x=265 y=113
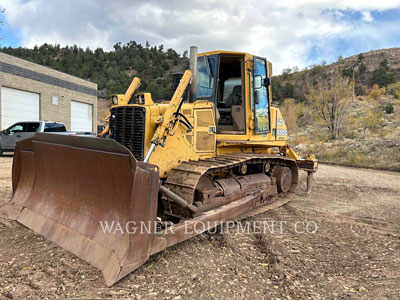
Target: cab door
x=262 y=115
x=31 y=129
x=13 y=134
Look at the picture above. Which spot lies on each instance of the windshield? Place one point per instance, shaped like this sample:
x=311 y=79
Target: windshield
x=205 y=77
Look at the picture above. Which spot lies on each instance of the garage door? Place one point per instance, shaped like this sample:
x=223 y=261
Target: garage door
x=17 y=106
x=81 y=116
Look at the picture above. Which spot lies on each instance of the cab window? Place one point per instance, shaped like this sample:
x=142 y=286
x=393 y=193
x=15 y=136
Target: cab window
x=54 y=127
x=33 y=127
x=229 y=86
x=261 y=101
x=205 y=77
x=19 y=127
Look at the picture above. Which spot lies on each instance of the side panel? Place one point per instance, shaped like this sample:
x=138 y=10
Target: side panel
x=183 y=145
x=281 y=132
x=204 y=131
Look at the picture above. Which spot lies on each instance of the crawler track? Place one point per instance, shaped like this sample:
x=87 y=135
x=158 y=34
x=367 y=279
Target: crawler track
x=184 y=179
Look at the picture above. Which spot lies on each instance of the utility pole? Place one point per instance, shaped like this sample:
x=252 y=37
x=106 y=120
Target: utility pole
x=352 y=95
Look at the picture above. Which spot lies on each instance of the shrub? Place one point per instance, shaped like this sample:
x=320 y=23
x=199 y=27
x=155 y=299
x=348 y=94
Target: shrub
x=394 y=89
x=382 y=75
x=371 y=120
x=360 y=90
x=347 y=73
x=288 y=90
x=362 y=68
x=351 y=135
x=388 y=108
x=376 y=92
x=165 y=65
x=299 y=109
x=352 y=158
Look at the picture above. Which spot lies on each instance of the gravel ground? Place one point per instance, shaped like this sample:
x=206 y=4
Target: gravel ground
x=352 y=251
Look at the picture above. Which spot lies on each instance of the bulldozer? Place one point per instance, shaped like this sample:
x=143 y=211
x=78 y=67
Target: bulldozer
x=161 y=173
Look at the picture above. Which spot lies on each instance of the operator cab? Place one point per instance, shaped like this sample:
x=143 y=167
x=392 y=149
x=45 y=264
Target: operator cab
x=221 y=79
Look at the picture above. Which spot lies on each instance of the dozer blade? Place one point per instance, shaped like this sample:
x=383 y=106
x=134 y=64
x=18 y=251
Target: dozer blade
x=65 y=186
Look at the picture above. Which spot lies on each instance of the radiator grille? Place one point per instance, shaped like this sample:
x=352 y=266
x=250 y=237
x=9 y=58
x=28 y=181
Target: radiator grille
x=127 y=126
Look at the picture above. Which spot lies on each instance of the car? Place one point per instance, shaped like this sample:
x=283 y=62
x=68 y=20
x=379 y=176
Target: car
x=23 y=130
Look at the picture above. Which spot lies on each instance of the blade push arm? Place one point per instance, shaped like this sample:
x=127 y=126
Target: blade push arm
x=170 y=115
x=130 y=91
x=122 y=100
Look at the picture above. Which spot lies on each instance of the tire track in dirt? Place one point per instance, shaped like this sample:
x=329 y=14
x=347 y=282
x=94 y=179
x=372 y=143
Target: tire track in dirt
x=354 y=254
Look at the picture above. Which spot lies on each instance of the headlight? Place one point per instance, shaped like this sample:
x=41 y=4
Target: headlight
x=115 y=100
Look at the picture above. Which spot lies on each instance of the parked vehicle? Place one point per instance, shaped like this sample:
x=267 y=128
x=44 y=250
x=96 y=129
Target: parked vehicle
x=23 y=130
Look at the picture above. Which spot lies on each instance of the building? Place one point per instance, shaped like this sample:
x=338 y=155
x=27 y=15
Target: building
x=31 y=92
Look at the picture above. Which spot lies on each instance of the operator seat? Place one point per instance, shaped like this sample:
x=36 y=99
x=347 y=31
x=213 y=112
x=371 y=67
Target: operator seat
x=235 y=98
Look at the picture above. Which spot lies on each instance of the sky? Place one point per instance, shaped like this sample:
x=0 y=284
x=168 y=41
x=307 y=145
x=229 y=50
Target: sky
x=287 y=32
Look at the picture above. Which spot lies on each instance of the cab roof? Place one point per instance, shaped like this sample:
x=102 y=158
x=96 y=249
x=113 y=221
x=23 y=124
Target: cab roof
x=224 y=52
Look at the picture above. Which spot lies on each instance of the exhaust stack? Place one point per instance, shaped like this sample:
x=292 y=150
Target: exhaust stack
x=193 y=69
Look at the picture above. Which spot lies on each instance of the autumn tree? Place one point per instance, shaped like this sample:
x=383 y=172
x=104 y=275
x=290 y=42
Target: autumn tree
x=288 y=110
x=330 y=98
x=371 y=120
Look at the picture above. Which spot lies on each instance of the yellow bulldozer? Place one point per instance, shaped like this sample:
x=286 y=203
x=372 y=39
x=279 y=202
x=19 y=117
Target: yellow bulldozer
x=161 y=173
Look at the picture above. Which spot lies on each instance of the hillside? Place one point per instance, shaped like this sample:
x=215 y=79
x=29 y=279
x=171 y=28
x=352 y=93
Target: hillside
x=369 y=131
x=377 y=147
x=111 y=70
x=380 y=67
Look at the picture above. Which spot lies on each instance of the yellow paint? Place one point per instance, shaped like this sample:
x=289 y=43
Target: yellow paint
x=130 y=91
x=180 y=145
x=168 y=117
x=203 y=142
x=122 y=100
